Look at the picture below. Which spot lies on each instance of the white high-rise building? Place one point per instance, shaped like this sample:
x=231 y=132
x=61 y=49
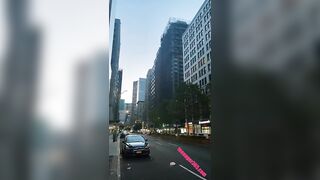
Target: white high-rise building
x=196 y=42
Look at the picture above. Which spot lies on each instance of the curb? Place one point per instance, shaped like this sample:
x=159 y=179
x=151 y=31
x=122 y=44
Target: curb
x=118 y=166
x=114 y=164
x=184 y=139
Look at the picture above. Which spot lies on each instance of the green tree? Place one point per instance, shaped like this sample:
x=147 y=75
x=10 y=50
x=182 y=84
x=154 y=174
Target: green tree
x=137 y=126
x=190 y=103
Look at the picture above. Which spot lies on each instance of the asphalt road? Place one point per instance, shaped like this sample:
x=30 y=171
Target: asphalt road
x=163 y=152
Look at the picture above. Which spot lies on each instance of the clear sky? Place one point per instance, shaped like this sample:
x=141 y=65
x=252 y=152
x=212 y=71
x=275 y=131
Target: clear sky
x=142 y=24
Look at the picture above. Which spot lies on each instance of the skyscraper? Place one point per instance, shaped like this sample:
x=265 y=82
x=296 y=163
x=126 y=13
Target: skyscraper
x=148 y=98
x=134 y=100
x=168 y=66
x=116 y=75
x=141 y=98
x=141 y=89
x=138 y=97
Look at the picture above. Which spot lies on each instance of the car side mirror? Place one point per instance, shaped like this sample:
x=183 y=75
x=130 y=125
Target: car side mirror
x=123 y=142
x=146 y=139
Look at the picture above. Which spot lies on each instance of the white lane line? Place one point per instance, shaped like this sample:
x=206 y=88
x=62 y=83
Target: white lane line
x=159 y=143
x=173 y=144
x=192 y=172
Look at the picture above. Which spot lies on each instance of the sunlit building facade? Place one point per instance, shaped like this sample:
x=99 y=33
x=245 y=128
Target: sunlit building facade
x=196 y=42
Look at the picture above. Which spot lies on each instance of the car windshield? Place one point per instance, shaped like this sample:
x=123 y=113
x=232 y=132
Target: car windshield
x=135 y=139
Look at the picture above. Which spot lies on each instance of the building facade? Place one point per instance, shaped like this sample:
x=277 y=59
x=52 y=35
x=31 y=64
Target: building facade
x=168 y=66
x=138 y=96
x=134 y=100
x=140 y=111
x=141 y=89
x=197 y=48
x=148 y=98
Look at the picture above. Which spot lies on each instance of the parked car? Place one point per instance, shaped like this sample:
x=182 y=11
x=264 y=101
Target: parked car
x=135 y=145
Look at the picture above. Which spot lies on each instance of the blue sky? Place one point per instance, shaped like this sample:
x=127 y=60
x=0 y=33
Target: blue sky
x=142 y=24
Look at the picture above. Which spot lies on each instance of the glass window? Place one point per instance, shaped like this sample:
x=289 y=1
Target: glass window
x=135 y=139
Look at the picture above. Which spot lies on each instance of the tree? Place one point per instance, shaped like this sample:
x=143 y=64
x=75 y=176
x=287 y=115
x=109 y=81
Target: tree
x=190 y=103
x=137 y=126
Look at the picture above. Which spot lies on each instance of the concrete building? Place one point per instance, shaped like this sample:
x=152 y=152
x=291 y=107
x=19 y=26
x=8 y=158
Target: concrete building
x=152 y=92
x=128 y=107
x=122 y=111
x=138 y=95
x=140 y=111
x=141 y=89
x=197 y=48
x=148 y=96
x=122 y=105
x=116 y=75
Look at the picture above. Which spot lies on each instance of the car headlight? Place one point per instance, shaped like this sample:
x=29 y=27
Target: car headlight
x=127 y=147
x=147 y=146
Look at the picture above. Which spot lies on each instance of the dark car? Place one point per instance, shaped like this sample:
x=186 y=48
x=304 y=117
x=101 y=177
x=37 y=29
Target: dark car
x=135 y=145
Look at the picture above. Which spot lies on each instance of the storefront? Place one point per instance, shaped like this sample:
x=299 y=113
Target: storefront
x=184 y=130
x=201 y=127
x=205 y=126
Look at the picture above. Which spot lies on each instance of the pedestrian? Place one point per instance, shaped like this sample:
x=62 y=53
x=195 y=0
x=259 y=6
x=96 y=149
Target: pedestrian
x=114 y=135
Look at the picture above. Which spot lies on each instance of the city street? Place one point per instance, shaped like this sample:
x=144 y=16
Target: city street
x=163 y=152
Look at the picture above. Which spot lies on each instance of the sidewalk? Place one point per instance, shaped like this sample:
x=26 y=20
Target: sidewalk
x=114 y=159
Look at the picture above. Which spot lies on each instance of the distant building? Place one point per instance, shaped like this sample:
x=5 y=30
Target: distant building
x=197 y=48
x=138 y=95
x=141 y=89
x=122 y=111
x=134 y=100
x=140 y=111
x=122 y=105
x=128 y=107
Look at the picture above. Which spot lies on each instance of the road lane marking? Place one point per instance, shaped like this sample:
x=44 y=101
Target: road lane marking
x=173 y=144
x=159 y=143
x=192 y=172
